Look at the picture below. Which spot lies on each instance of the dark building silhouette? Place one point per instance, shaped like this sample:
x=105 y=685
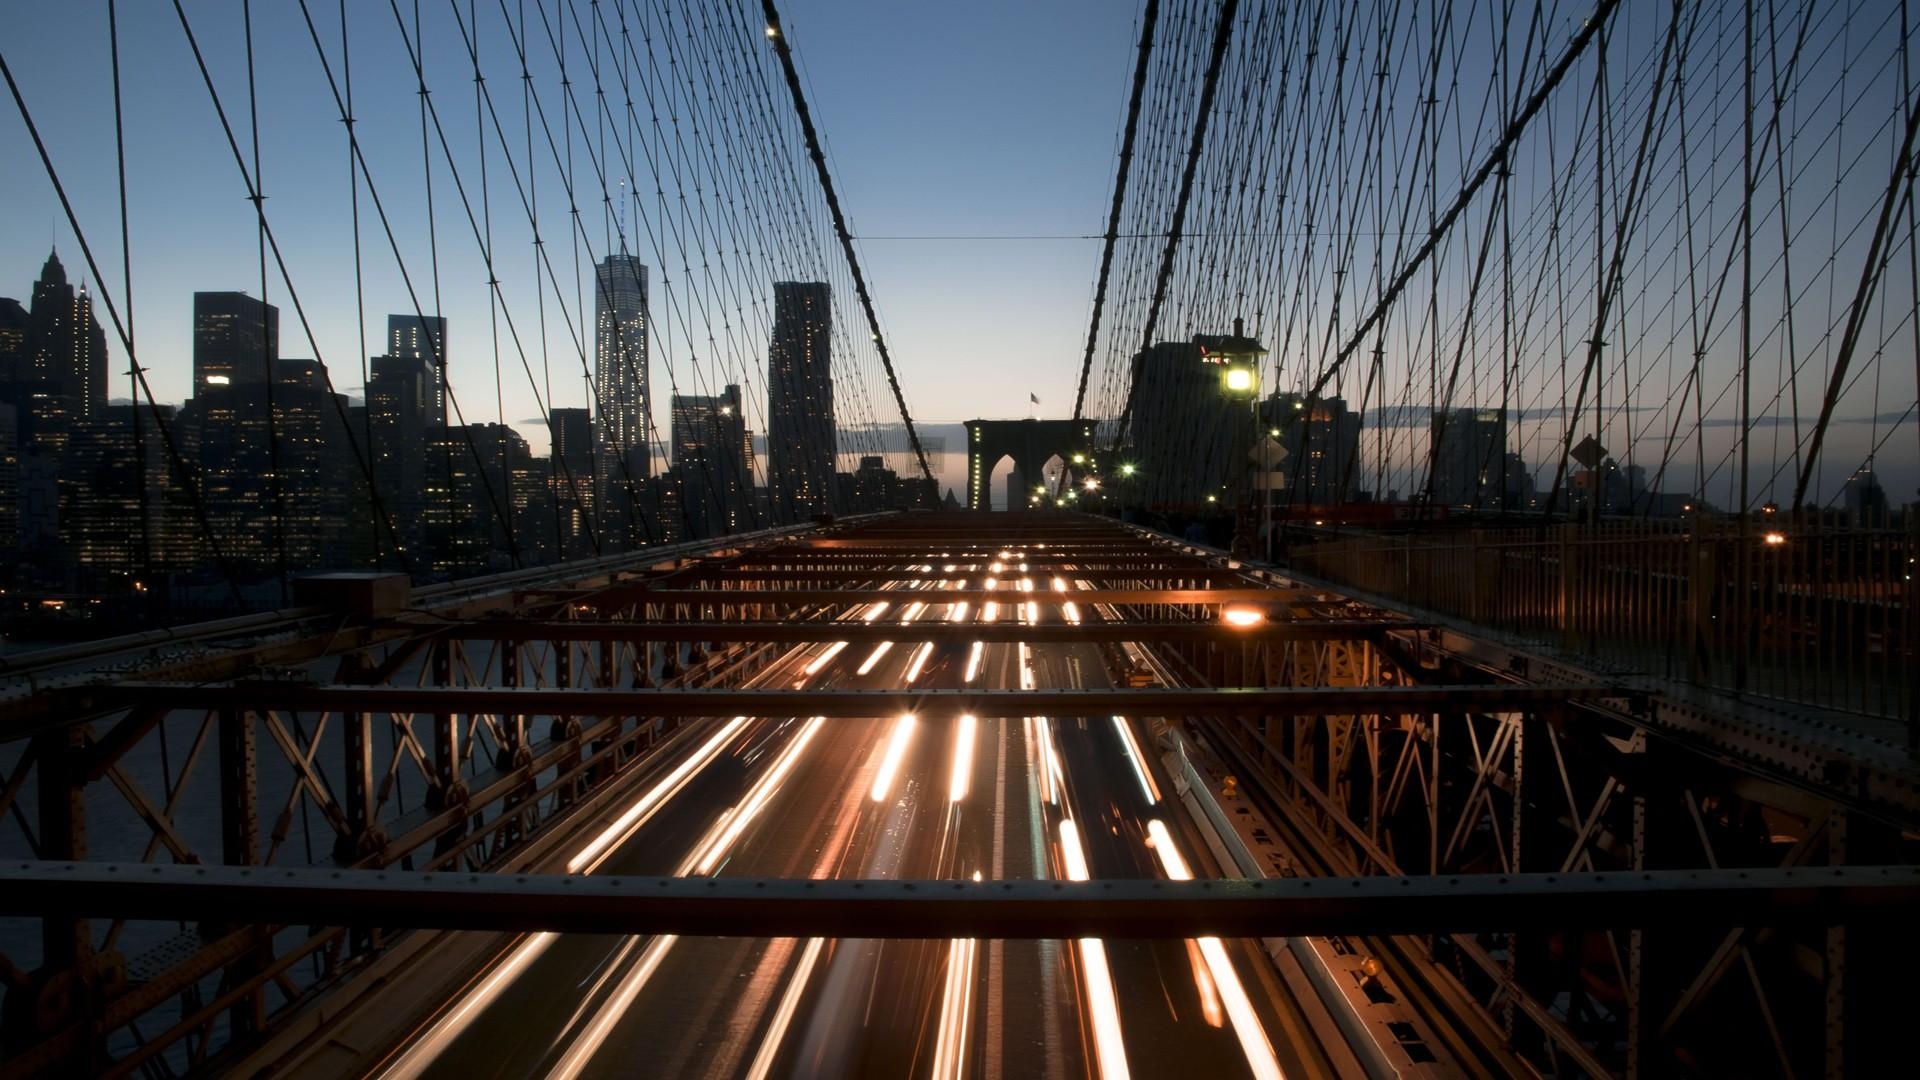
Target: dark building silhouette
x=243 y=445
x=1322 y=462
x=53 y=365
x=236 y=340
x=800 y=425
x=571 y=480
x=1180 y=433
x=481 y=486
x=423 y=338
x=9 y=477
x=123 y=513
x=1469 y=458
x=1865 y=499
x=874 y=487
x=399 y=417
x=710 y=450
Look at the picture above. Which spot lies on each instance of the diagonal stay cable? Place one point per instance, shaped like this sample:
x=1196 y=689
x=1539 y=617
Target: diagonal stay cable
x=1140 y=65
x=1222 y=34
x=781 y=48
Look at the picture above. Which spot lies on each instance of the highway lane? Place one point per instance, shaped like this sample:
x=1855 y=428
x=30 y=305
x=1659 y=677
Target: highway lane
x=876 y=798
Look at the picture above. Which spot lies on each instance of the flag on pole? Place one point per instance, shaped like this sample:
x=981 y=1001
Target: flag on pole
x=1033 y=397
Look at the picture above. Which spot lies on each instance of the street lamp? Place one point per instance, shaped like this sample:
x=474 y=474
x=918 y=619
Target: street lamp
x=1242 y=617
x=1238 y=357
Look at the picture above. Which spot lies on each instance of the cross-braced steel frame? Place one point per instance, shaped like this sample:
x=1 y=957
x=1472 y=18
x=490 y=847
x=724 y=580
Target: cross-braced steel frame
x=463 y=732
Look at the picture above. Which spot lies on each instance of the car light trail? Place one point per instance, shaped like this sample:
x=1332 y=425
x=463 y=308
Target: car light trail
x=873 y=658
x=615 y=1009
x=783 y=1016
x=1026 y=667
x=913 y=611
x=896 y=750
x=1071 y=611
x=958 y=613
x=956 y=1007
x=1147 y=787
x=1109 y=1048
x=919 y=660
x=989 y=611
x=427 y=1047
x=735 y=821
x=824 y=658
x=1210 y=1009
x=963 y=737
x=1050 y=775
x=973 y=660
x=588 y=858
x=1246 y=1024
x=878 y=609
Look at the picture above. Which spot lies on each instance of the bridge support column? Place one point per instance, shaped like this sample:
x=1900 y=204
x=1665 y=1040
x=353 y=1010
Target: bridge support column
x=451 y=789
x=73 y=982
x=239 y=846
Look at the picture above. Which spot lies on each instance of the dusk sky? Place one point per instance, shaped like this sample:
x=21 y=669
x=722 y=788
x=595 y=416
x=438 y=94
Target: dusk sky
x=995 y=119
x=999 y=118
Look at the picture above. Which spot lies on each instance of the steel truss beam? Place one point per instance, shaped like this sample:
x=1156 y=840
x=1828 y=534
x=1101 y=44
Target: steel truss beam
x=745 y=907
x=928 y=629
x=545 y=701
x=893 y=571
x=640 y=594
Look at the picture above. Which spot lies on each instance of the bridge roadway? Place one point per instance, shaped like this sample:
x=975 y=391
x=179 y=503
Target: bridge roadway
x=887 y=797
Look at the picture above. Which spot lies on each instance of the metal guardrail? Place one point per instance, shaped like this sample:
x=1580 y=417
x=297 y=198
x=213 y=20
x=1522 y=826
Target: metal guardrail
x=1817 y=615
x=932 y=909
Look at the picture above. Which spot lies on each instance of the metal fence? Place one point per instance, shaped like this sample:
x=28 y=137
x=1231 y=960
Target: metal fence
x=1816 y=614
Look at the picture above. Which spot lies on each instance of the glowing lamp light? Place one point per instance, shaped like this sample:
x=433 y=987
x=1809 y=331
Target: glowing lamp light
x=1243 y=617
x=1238 y=380
x=1774 y=539
x=1126 y=470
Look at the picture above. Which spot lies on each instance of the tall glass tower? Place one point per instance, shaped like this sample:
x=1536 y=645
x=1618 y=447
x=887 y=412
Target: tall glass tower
x=423 y=337
x=620 y=372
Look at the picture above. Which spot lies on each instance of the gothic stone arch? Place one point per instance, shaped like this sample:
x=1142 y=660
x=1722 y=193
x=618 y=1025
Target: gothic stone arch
x=1028 y=442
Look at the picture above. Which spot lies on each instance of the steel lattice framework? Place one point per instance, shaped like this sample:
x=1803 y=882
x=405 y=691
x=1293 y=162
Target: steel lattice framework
x=1589 y=874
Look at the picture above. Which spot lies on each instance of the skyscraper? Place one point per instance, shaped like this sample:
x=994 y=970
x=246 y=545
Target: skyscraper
x=800 y=429
x=1322 y=462
x=236 y=340
x=620 y=372
x=1469 y=454
x=399 y=407
x=63 y=370
x=570 y=479
x=423 y=337
x=1182 y=429
x=711 y=453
